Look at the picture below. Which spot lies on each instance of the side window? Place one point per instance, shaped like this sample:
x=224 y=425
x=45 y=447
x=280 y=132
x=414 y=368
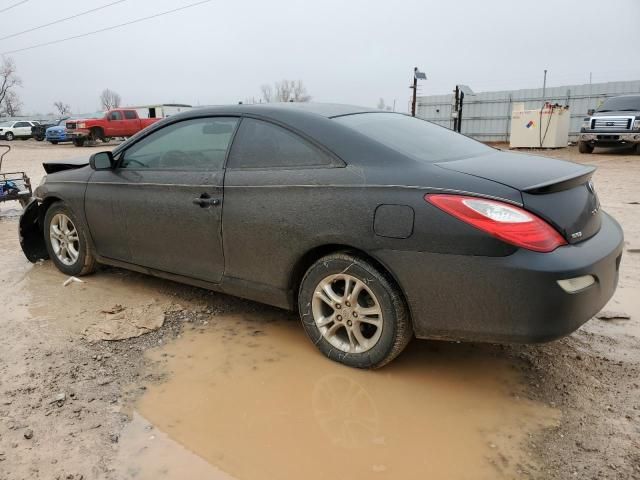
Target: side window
x=115 y=116
x=22 y=124
x=130 y=115
x=261 y=144
x=198 y=144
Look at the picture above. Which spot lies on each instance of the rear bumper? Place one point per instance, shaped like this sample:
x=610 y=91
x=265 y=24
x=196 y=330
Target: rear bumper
x=508 y=299
x=610 y=139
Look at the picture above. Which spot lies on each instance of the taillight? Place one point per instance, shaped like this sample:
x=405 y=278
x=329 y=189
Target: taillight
x=509 y=223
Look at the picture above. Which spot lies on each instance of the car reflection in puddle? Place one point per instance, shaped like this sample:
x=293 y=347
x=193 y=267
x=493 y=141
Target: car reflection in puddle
x=250 y=396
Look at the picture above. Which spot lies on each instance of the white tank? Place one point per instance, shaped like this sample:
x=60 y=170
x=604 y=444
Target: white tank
x=539 y=128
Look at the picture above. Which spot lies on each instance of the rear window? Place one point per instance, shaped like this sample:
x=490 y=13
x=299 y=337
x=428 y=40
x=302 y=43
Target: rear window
x=419 y=139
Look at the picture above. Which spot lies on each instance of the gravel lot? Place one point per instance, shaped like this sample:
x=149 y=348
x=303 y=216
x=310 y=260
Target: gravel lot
x=171 y=403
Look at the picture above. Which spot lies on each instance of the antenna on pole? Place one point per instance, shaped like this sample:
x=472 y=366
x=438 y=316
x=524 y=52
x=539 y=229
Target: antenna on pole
x=544 y=85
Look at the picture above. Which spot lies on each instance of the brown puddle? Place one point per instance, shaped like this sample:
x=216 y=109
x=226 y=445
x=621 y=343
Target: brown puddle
x=252 y=397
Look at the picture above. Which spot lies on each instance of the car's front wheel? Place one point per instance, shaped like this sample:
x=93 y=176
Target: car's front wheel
x=353 y=312
x=66 y=241
x=9 y=136
x=584 y=147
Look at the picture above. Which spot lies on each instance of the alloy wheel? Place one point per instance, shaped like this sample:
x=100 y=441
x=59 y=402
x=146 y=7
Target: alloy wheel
x=347 y=313
x=64 y=239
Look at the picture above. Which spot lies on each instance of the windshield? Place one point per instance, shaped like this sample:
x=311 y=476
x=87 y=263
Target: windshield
x=90 y=115
x=416 y=138
x=621 y=104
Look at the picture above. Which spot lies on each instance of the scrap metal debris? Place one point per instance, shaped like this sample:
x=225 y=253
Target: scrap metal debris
x=70 y=280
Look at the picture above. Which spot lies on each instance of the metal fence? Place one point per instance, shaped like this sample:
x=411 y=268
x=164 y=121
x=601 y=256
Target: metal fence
x=486 y=116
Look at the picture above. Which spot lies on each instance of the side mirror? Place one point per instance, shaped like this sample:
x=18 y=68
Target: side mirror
x=102 y=161
x=591 y=111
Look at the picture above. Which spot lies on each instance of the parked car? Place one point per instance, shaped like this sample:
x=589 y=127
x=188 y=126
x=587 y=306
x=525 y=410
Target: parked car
x=16 y=129
x=616 y=123
x=103 y=125
x=38 y=131
x=58 y=133
x=375 y=226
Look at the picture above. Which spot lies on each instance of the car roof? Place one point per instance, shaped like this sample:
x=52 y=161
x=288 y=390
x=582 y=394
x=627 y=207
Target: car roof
x=327 y=110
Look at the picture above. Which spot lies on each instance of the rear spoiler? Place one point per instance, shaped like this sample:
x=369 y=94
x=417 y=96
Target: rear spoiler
x=559 y=184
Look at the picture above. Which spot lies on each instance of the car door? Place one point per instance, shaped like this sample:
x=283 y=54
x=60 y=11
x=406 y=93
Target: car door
x=131 y=122
x=116 y=124
x=22 y=129
x=161 y=207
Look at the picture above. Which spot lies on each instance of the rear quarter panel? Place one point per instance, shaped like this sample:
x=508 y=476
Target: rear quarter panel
x=273 y=218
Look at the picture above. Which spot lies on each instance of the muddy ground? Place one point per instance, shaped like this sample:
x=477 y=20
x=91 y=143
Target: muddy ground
x=216 y=387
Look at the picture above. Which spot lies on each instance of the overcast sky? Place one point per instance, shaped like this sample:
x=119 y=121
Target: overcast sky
x=347 y=51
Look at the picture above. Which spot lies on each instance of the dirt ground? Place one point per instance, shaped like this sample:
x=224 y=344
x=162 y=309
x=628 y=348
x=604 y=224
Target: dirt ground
x=130 y=377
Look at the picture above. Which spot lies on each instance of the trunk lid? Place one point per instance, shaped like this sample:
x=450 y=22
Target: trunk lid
x=558 y=191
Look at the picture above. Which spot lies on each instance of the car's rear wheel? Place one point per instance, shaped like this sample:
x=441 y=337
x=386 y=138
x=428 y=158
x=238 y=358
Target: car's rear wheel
x=66 y=241
x=584 y=147
x=353 y=312
x=9 y=136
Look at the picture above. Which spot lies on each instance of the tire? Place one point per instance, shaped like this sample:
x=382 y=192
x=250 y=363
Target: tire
x=9 y=136
x=96 y=134
x=106 y=139
x=79 y=259
x=584 y=147
x=39 y=138
x=54 y=142
x=336 y=323
x=78 y=142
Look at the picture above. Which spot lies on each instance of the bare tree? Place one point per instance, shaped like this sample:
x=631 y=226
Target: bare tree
x=381 y=104
x=110 y=99
x=267 y=93
x=285 y=91
x=63 y=108
x=11 y=104
x=9 y=80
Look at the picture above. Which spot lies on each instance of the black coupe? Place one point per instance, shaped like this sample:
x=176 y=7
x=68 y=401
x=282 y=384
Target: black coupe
x=375 y=225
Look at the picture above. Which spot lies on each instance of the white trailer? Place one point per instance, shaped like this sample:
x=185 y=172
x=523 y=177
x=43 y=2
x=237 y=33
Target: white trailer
x=161 y=110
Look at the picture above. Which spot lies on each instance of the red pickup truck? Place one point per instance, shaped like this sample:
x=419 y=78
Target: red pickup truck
x=119 y=122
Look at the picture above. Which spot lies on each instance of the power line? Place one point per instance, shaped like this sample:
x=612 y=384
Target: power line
x=14 y=5
x=61 y=20
x=113 y=27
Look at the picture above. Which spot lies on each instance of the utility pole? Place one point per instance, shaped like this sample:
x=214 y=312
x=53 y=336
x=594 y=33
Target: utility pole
x=544 y=85
x=417 y=75
x=415 y=92
x=456 y=108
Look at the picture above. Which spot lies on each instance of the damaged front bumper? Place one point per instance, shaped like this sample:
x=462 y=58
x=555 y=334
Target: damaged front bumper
x=32 y=232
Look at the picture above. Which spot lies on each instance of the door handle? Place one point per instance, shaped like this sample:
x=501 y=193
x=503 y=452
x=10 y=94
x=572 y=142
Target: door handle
x=206 y=202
